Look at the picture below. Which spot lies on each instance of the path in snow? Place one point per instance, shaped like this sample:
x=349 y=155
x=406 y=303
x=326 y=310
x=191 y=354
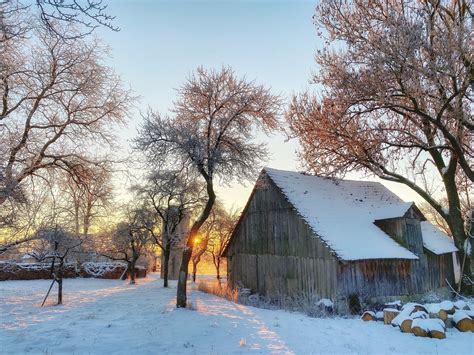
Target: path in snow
x=109 y=316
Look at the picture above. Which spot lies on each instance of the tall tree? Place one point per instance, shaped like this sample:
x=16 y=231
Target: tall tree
x=397 y=80
x=201 y=241
x=213 y=238
x=58 y=100
x=211 y=133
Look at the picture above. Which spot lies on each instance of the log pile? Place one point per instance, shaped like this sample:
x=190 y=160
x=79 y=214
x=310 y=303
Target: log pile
x=463 y=322
x=433 y=328
x=430 y=320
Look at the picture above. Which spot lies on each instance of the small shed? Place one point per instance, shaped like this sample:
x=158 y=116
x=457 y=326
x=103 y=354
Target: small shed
x=307 y=235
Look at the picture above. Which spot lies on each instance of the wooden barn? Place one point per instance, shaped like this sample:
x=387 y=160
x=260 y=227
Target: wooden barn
x=304 y=235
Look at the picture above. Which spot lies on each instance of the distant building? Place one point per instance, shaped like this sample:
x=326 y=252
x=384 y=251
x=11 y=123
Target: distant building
x=307 y=235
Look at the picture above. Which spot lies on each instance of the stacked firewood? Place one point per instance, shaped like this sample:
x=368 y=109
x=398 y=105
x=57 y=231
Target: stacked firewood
x=429 y=320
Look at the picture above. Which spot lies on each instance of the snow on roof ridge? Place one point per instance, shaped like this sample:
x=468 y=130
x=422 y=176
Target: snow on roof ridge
x=350 y=230
x=335 y=180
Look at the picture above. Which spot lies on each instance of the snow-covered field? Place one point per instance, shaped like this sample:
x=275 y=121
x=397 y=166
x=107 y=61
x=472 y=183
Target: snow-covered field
x=111 y=317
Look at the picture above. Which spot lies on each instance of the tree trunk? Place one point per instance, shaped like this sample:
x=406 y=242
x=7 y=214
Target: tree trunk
x=465 y=259
x=455 y=221
x=182 y=278
x=195 y=264
x=76 y=217
x=466 y=285
x=194 y=271
x=188 y=250
x=60 y=291
x=218 y=268
x=87 y=222
x=470 y=236
x=59 y=279
x=131 y=269
x=165 y=267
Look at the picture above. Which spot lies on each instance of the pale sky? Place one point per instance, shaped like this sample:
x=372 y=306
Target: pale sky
x=161 y=42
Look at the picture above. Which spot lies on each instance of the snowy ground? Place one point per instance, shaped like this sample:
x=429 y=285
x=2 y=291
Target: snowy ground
x=111 y=317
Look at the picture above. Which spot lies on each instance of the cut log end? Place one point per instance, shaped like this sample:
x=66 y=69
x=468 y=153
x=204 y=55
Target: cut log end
x=419 y=332
x=389 y=314
x=405 y=327
x=443 y=315
x=465 y=325
x=368 y=316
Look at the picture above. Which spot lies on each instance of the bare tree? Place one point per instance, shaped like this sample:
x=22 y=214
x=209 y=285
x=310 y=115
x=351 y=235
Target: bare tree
x=171 y=196
x=212 y=131
x=213 y=238
x=59 y=244
x=201 y=241
x=225 y=223
x=55 y=199
x=397 y=98
x=58 y=101
x=199 y=249
x=128 y=241
x=20 y=220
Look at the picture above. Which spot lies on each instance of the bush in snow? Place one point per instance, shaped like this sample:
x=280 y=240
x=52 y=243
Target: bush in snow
x=354 y=304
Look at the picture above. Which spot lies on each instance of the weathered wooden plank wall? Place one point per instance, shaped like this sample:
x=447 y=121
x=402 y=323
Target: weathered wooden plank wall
x=440 y=269
x=395 y=277
x=377 y=278
x=405 y=230
x=274 y=251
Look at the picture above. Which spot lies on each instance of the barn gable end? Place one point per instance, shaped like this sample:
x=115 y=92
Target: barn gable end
x=273 y=251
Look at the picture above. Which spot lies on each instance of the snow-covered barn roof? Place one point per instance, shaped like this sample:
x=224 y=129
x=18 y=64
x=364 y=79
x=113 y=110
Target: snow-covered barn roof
x=435 y=240
x=342 y=214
